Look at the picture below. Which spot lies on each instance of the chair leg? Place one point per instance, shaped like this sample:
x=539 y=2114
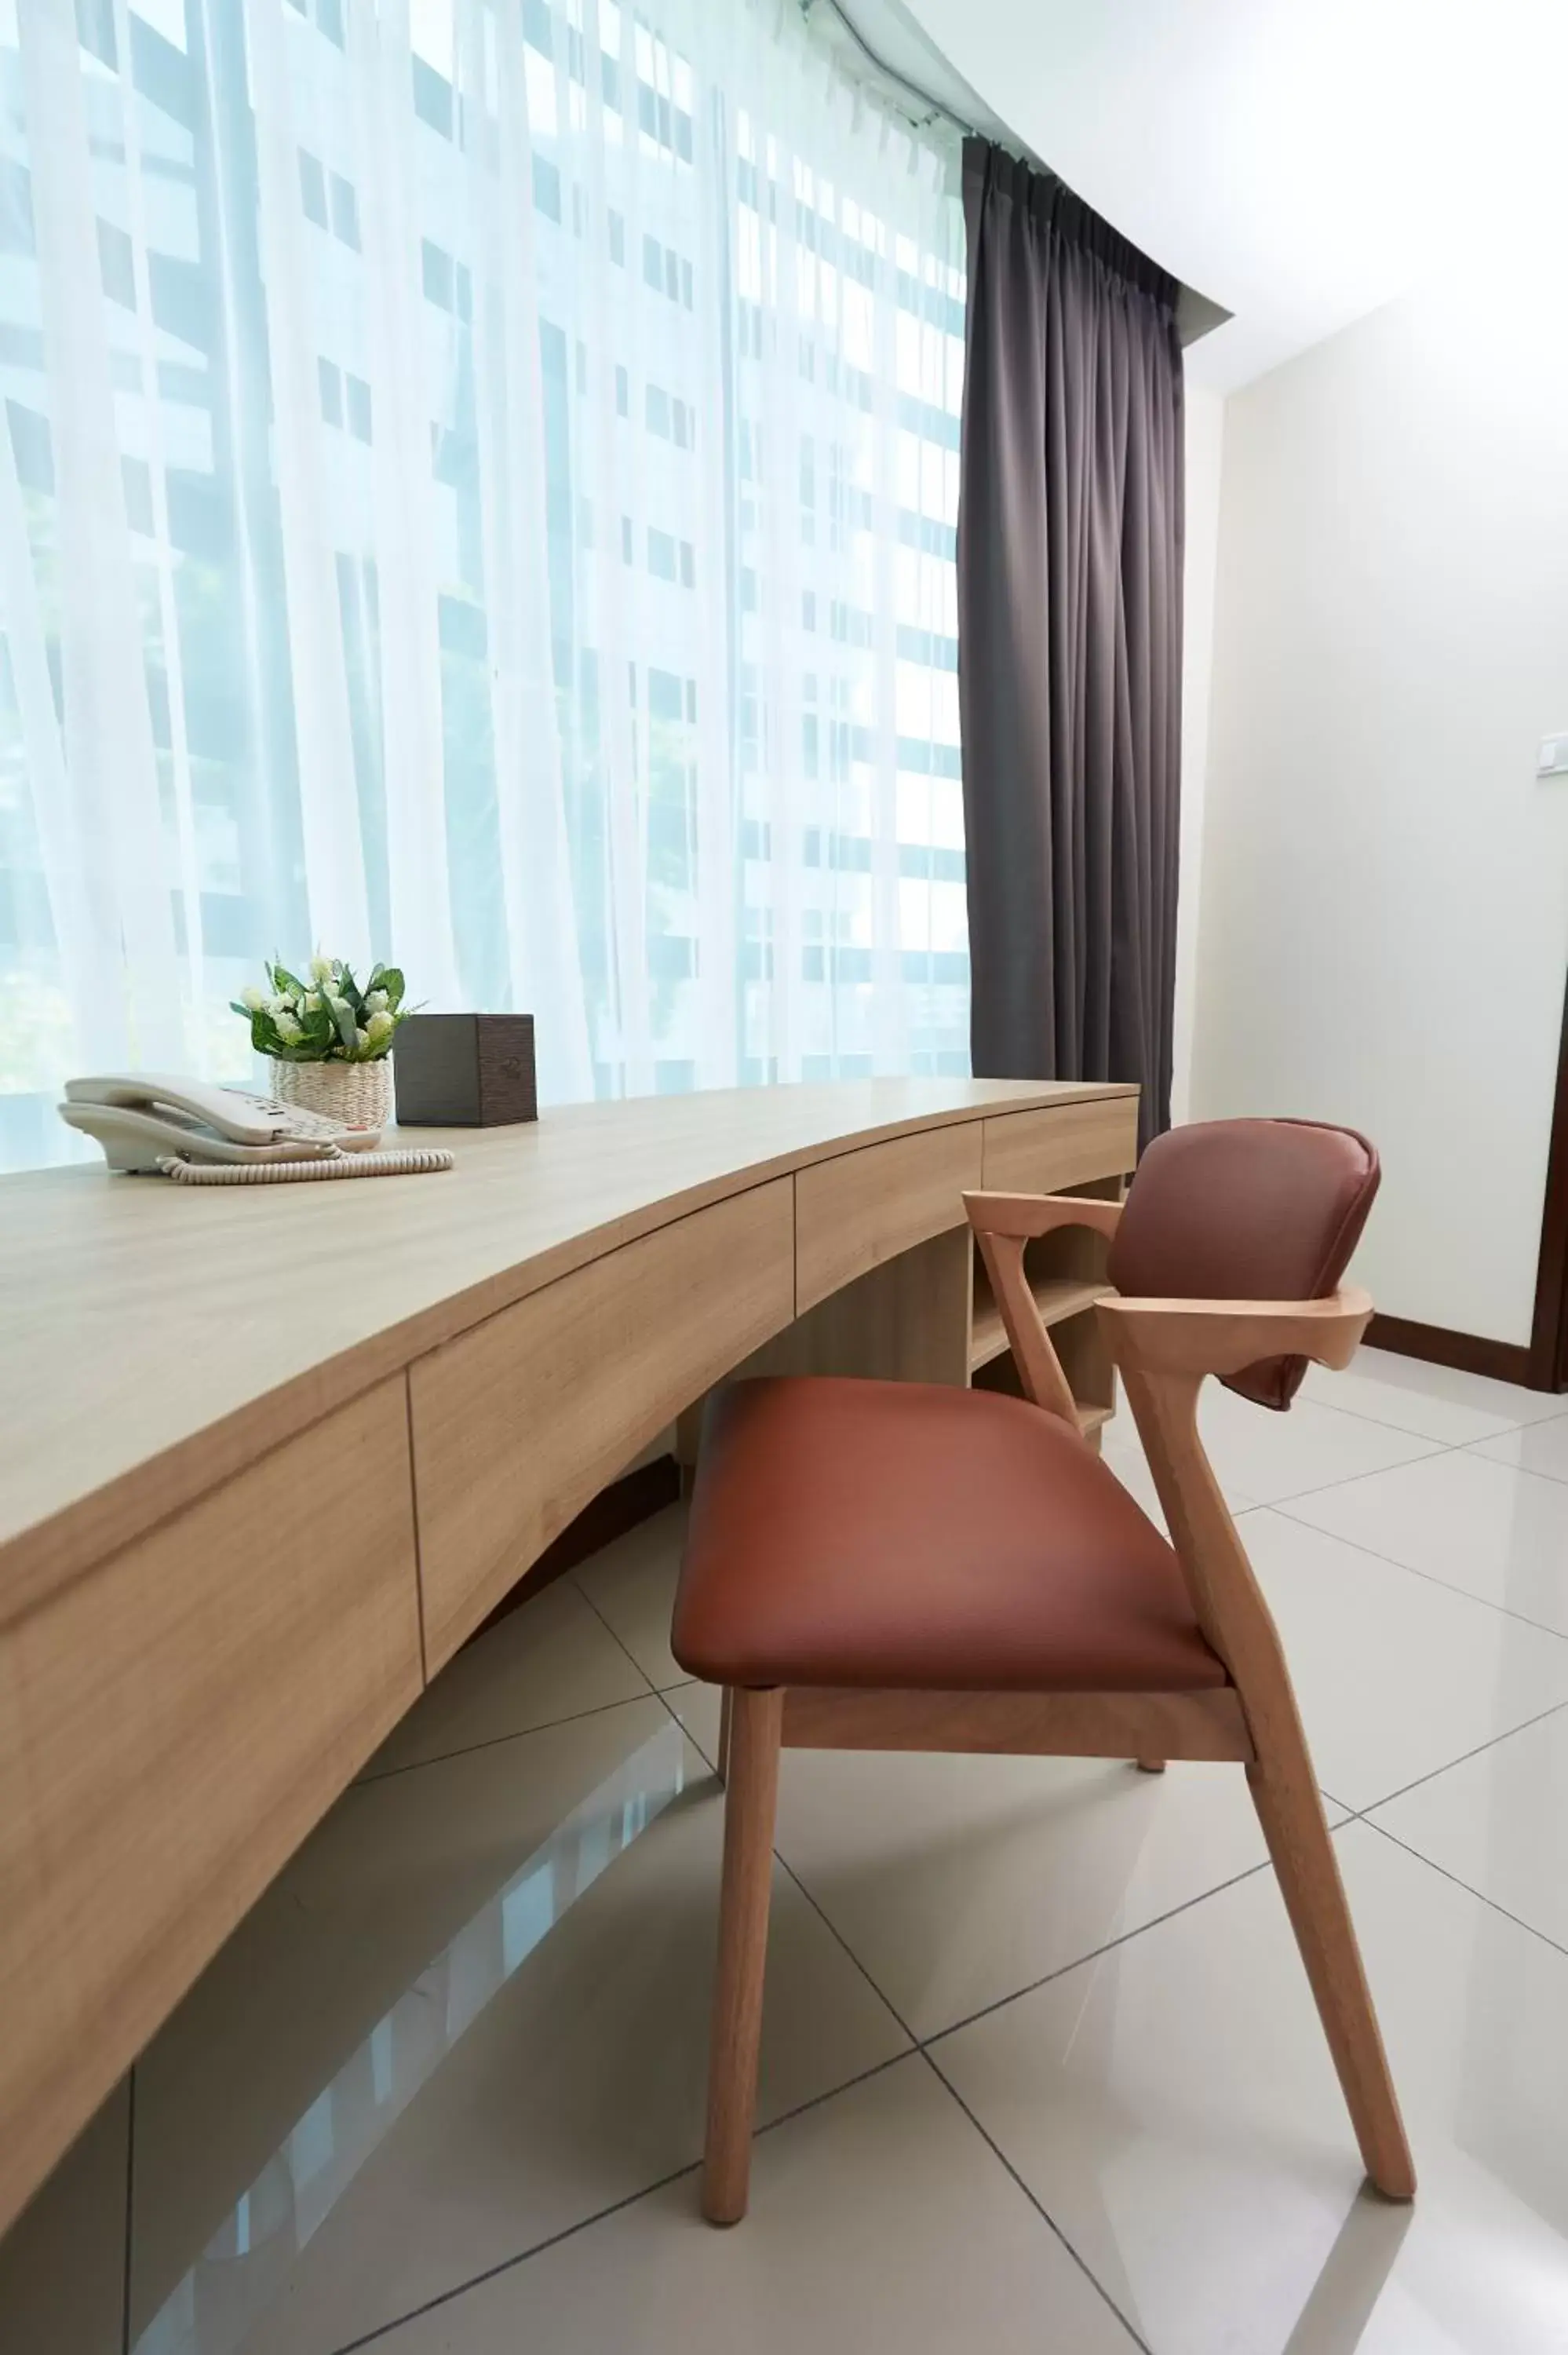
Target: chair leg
x=757 y=1723
x=727 y=1714
x=1291 y=1813
x=1150 y=1765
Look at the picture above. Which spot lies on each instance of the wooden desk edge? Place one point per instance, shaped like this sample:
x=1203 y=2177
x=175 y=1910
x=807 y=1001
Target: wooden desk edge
x=45 y=1556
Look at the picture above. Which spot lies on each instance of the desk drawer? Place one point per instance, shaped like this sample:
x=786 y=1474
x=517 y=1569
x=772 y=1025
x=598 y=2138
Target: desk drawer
x=517 y=1424
x=1061 y=1145
x=860 y=1208
x=171 y=1724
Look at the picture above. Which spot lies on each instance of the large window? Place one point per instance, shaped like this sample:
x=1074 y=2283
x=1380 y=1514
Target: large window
x=478 y=484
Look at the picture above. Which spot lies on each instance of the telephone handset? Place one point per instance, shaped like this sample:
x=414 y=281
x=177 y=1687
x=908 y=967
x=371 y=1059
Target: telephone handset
x=141 y=1118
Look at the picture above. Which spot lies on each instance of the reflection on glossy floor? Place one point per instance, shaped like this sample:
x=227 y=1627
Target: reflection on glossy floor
x=1041 y=2070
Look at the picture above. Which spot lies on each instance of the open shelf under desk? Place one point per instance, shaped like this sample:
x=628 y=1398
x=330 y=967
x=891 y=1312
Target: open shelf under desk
x=1057 y=1297
x=1001 y=1374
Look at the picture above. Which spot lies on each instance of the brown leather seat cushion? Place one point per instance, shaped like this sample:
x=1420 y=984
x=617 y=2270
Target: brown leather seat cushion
x=901 y=1534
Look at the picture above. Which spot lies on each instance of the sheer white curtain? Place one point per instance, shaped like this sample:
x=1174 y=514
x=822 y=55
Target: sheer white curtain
x=477 y=488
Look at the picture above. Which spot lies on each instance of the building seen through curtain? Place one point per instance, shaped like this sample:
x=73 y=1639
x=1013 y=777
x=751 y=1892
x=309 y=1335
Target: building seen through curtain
x=478 y=486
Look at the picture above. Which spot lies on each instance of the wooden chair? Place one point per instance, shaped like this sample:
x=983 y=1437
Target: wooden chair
x=899 y=1566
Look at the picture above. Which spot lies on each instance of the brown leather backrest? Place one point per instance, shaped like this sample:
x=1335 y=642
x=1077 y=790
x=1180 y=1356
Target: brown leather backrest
x=1246 y=1210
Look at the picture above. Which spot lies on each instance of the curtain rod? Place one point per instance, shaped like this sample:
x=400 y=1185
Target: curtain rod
x=935 y=106
x=1204 y=314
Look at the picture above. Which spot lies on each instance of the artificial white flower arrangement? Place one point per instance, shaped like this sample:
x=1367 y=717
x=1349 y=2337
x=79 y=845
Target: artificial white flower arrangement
x=326 y=1019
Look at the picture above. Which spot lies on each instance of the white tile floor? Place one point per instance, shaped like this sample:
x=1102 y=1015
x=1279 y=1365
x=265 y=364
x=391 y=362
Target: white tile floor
x=1041 y=2070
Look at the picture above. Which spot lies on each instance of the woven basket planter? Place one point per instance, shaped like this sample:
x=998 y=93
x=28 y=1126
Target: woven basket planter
x=358 y=1095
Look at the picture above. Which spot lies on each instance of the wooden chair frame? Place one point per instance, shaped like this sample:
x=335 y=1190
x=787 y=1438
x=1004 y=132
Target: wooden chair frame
x=1164 y=1350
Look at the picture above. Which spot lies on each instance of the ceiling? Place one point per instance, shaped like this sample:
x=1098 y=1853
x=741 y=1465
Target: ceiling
x=1299 y=162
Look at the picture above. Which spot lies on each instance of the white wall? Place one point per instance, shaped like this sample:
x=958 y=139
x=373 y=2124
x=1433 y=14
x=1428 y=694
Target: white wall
x=1384 y=910
x=1205 y=418
x=1292 y=162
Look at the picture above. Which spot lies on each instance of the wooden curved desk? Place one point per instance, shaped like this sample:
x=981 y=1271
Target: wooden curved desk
x=269 y=1454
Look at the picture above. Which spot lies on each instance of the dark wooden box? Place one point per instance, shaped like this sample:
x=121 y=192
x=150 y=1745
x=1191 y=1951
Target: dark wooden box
x=464 y=1070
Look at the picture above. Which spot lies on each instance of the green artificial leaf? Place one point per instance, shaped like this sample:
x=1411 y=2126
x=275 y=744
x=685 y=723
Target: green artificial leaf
x=391 y=980
x=343 y=1014
x=283 y=979
x=376 y=970
x=348 y=987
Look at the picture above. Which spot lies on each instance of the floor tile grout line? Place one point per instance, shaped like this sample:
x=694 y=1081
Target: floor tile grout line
x=1096 y=1954
x=1359 y=1815
x=1436 y=1447
x=1346 y=1479
x=615 y=1638
x=817 y=2101
x=827 y=1923
x=836 y=1934
x=498 y=1740
x=1313 y=1398
x=506 y=2265
x=710 y=1763
x=1559 y=1480
x=1431 y=1577
x=615 y=2207
x=1035 y=2202
x=1433 y=1448
x=130 y=2207
x=1428 y=1445
x=1420 y=1857
x=1457 y=1447
x=1338 y=1406
x=1274 y=1504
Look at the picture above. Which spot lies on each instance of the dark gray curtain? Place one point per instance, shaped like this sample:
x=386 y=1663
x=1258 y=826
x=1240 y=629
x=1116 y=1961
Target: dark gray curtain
x=1070 y=539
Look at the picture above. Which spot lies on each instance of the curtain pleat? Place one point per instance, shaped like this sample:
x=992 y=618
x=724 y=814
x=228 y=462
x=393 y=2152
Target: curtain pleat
x=1070 y=535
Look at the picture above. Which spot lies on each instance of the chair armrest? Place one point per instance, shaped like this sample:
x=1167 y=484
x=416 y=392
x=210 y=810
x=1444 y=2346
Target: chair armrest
x=1025 y=1216
x=1222 y=1337
x=1003 y=1224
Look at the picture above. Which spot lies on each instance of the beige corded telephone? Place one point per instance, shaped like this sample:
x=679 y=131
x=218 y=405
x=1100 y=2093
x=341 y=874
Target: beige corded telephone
x=143 y=1118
